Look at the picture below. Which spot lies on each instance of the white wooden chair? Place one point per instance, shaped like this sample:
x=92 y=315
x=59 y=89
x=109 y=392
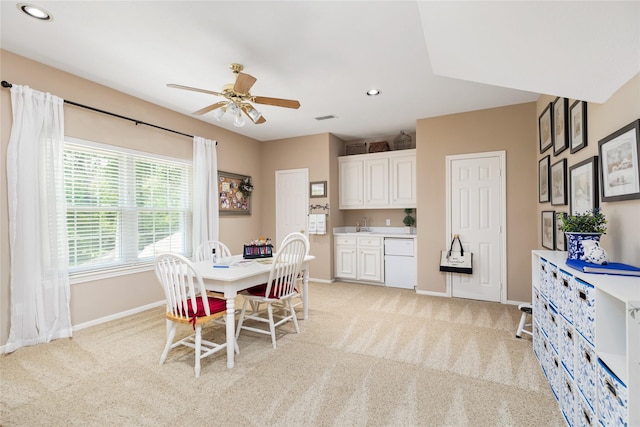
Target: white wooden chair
x=298 y=299
x=188 y=303
x=203 y=252
x=279 y=289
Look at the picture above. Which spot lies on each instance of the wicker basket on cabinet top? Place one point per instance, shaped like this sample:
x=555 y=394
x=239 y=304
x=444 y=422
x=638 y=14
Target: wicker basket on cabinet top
x=356 y=148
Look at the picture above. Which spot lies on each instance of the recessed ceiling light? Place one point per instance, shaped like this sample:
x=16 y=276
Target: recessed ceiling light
x=373 y=92
x=35 y=12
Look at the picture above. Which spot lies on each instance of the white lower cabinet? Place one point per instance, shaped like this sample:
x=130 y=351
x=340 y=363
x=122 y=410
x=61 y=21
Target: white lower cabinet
x=346 y=258
x=359 y=258
x=586 y=336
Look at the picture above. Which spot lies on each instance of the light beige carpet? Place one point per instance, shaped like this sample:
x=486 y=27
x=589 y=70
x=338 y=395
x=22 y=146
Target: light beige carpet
x=367 y=356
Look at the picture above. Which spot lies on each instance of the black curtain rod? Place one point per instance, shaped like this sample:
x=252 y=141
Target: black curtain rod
x=137 y=122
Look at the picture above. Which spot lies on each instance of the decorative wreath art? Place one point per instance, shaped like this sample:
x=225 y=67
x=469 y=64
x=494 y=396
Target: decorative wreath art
x=246 y=187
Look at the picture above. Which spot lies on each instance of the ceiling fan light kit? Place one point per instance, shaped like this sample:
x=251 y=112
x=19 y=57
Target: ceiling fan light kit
x=239 y=99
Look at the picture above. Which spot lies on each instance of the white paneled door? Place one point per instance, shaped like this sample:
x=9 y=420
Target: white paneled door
x=292 y=202
x=476 y=205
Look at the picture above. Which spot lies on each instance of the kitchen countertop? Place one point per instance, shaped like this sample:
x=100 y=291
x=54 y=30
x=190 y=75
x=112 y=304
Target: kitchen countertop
x=399 y=232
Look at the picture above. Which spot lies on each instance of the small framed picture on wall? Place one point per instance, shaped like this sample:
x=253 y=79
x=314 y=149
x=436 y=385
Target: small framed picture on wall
x=545 y=129
x=543 y=179
x=583 y=186
x=578 y=126
x=548 y=229
x=619 y=167
x=560 y=125
x=561 y=240
x=559 y=182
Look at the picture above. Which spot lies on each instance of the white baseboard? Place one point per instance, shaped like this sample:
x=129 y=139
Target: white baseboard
x=517 y=302
x=108 y=318
x=321 y=280
x=116 y=316
x=433 y=294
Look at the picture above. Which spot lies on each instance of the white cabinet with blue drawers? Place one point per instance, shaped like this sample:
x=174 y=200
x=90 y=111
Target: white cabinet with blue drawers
x=586 y=336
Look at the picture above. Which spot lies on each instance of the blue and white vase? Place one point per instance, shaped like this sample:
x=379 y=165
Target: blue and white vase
x=574 y=243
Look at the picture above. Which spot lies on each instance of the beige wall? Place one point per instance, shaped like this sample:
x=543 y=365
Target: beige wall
x=236 y=153
x=622 y=240
x=512 y=129
x=314 y=153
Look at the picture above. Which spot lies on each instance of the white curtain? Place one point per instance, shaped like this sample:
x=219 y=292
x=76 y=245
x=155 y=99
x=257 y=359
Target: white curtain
x=38 y=244
x=205 y=191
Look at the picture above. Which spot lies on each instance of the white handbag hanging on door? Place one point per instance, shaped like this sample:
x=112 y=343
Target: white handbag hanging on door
x=456 y=261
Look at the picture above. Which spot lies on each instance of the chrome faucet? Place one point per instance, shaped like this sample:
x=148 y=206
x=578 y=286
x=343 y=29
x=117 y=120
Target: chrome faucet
x=365 y=228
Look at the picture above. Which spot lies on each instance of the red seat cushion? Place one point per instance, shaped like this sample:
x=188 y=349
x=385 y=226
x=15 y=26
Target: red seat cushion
x=259 y=291
x=215 y=305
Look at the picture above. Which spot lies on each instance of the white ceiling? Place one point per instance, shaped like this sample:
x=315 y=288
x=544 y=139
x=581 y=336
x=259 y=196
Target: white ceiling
x=427 y=58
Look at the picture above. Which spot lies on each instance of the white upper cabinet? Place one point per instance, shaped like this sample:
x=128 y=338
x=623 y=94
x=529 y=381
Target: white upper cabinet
x=403 y=181
x=376 y=183
x=351 y=184
x=379 y=180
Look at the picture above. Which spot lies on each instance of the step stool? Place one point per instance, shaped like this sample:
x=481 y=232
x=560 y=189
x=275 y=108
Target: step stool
x=526 y=310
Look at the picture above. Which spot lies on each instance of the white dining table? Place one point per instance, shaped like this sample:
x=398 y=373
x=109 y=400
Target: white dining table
x=234 y=278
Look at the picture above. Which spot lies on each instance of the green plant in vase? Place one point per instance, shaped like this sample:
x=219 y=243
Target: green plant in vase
x=589 y=225
x=408 y=220
x=591 y=221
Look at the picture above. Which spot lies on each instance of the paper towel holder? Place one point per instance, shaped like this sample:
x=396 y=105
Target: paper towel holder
x=324 y=207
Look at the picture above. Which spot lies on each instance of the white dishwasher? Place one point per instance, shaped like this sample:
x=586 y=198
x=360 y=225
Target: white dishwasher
x=399 y=262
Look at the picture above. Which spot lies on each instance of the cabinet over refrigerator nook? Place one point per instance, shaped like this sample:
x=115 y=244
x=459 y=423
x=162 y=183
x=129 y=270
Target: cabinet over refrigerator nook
x=385 y=180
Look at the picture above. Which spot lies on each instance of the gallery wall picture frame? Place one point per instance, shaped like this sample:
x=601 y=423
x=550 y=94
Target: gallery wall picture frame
x=619 y=168
x=559 y=183
x=577 y=126
x=318 y=189
x=560 y=125
x=583 y=186
x=231 y=201
x=545 y=128
x=543 y=179
x=561 y=239
x=548 y=227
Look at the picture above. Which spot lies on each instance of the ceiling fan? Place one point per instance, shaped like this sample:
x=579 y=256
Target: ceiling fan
x=238 y=99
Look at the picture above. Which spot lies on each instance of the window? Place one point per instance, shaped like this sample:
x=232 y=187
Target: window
x=124 y=207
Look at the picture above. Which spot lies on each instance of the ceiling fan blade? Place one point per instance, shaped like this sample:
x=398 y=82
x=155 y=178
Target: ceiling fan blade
x=210 y=108
x=195 y=89
x=278 y=102
x=243 y=84
x=245 y=110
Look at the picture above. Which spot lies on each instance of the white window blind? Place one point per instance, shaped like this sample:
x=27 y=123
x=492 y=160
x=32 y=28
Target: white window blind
x=124 y=207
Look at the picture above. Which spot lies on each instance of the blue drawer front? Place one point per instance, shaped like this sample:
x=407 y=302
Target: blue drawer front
x=613 y=398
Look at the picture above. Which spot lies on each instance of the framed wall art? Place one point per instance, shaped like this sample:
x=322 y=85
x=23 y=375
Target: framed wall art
x=548 y=229
x=545 y=129
x=561 y=239
x=559 y=183
x=577 y=126
x=232 y=201
x=583 y=186
x=543 y=179
x=318 y=189
x=560 y=125
x=619 y=169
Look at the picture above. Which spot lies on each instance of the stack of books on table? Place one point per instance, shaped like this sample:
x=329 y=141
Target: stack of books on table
x=616 y=268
